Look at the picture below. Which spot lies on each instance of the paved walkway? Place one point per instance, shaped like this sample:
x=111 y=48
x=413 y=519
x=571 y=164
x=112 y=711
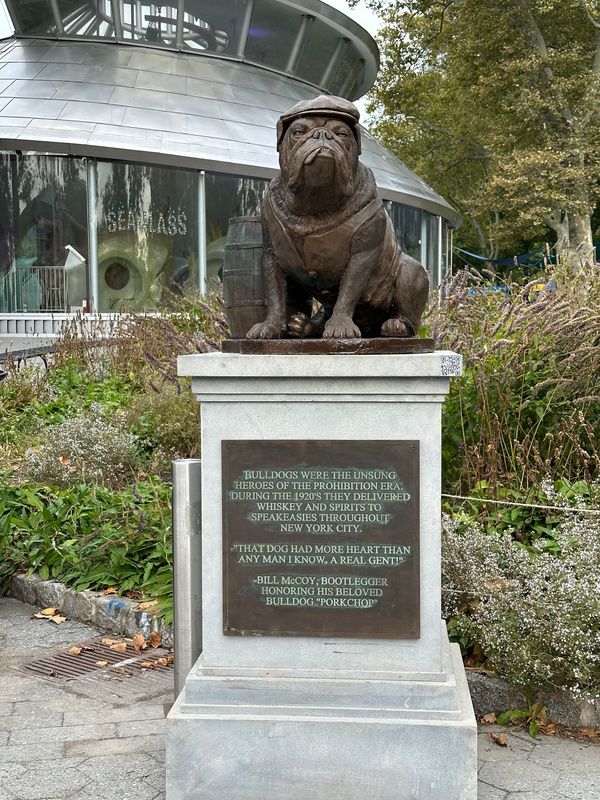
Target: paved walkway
x=97 y=740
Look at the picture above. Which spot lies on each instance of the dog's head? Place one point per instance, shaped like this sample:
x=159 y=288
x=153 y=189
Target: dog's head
x=319 y=144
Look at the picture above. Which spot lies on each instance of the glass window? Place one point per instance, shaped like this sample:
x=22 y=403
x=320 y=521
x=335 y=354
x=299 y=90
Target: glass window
x=349 y=75
x=43 y=233
x=149 y=22
x=88 y=18
x=323 y=49
x=433 y=249
x=272 y=33
x=147 y=235
x=206 y=25
x=407 y=224
x=227 y=196
x=32 y=17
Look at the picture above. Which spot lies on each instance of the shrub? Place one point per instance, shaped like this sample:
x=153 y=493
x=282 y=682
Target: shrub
x=166 y=422
x=86 y=449
x=91 y=537
x=144 y=347
x=534 y=615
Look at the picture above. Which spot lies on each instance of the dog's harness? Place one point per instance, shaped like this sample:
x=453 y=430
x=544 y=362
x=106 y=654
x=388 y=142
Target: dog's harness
x=327 y=249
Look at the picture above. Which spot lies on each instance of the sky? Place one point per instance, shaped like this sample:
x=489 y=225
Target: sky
x=360 y=14
x=6 y=28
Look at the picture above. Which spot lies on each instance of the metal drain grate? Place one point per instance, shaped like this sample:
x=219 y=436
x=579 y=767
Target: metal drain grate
x=98 y=657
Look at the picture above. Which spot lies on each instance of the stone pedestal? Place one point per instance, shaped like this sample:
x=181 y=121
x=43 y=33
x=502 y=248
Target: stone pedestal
x=323 y=717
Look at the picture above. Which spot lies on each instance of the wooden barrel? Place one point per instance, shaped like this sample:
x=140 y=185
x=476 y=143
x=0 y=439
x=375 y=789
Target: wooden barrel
x=243 y=292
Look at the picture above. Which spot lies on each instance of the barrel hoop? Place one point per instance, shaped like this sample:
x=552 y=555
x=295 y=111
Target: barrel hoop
x=246 y=303
x=243 y=245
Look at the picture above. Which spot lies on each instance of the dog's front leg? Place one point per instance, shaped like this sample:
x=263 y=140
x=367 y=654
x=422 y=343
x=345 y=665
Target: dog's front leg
x=275 y=294
x=364 y=257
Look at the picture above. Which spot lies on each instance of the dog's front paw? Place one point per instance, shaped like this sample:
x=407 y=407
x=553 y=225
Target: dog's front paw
x=298 y=326
x=265 y=330
x=397 y=328
x=341 y=328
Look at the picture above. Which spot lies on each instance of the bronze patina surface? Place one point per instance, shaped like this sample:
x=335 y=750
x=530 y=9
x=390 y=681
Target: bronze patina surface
x=321 y=538
x=302 y=347
x=327 y=237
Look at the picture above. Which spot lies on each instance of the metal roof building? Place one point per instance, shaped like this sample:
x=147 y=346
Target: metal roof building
x=130 y=132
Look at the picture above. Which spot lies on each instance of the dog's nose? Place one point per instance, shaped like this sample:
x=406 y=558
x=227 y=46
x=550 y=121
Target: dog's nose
x=322 y=133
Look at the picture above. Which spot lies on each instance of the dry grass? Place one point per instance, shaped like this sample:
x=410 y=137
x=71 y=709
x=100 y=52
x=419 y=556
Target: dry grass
x=528 y=405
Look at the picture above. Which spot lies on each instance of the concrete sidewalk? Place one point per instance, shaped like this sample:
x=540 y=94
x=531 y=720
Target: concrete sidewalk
x=98 y=738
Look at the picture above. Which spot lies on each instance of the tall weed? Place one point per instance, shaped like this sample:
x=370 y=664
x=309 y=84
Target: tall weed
x=528 y=404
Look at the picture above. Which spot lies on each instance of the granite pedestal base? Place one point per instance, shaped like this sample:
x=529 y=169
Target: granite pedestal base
x=330 y=717
x=286 y=737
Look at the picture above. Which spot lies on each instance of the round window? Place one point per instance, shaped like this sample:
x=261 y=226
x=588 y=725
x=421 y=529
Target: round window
x=116 y=275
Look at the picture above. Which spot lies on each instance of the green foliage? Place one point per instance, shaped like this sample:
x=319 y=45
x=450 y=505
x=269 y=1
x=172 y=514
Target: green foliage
x=496 y=106
x=90 y=537
x=110 y=410
x=166 y=424
x=530 y=717
x=534 y=517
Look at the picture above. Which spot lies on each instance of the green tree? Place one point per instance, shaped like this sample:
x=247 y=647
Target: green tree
x=496 y=104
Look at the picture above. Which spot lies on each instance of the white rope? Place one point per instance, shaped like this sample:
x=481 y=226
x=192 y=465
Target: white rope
x=595 y=512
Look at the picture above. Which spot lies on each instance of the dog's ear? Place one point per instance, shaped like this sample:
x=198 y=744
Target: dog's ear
x=284 y=155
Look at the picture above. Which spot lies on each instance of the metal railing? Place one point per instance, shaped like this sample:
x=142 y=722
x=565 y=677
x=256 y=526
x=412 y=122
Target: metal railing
x=34 y=288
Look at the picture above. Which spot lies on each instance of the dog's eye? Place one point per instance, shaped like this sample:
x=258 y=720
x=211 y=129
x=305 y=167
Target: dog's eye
x=342 y=133
x=298 y=132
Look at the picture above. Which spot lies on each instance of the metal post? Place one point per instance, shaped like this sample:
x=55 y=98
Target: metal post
x=58 y=23
x=245 y=28
x=202 y=232
x=116 y=16
x=298 y=46
x=179 y=23
x=424 y=242
x=92 y=235
x=187 y=563
x=439 y=258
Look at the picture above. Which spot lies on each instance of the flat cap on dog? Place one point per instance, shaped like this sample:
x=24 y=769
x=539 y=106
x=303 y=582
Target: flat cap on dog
x=322 y=106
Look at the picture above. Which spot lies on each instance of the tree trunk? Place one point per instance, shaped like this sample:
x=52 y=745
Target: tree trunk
x=581 y=252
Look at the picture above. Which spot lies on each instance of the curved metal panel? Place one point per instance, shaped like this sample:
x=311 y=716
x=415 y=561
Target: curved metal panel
x=258 y=31
x=119 y=102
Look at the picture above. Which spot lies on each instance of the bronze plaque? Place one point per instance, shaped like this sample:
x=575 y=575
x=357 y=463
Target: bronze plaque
x=321 y=538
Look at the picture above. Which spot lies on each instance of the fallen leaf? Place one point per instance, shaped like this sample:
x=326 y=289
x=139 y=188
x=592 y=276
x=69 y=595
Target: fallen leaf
x=145 y=605
x=501 y=739
x=155 y=639
x=489 y=719
x=590 y=733
x=147 y=665
x=39 y=616
x=64 y=459
x=101 y=663
x=550 y=729
x=74 y=651
x=139 y=642
x=49 y=612
x=58 y=619
x=110 y=590
x=164 y=661
x=121 y=647
x=109 y=642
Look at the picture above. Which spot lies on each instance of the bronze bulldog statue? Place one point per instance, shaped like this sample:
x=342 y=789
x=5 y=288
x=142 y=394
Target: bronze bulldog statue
x=327 y=237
